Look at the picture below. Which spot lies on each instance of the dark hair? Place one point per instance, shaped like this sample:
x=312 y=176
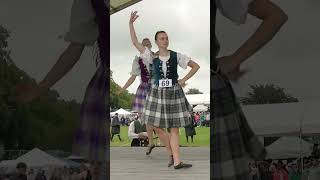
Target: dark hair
x=158 y=32
x=145 y=39
x=21 y=165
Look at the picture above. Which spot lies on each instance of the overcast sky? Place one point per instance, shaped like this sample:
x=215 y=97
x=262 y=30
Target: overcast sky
x=290 y=60
x=187 y=24
x=36 y=26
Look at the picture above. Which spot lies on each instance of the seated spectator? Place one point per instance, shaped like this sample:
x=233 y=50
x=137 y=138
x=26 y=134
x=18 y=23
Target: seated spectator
x=138 y=133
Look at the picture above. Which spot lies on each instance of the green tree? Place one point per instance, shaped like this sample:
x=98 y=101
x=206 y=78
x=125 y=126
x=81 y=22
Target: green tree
x=123 y=100
x=267 y=94
x=47 y=122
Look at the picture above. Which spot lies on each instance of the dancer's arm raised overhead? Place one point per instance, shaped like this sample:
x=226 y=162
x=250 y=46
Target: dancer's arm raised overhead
x=133 y=35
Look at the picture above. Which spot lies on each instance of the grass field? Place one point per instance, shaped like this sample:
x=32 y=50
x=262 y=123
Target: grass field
x=202 y=139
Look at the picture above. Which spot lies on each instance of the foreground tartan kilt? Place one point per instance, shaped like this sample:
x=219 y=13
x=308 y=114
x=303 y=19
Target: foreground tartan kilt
x=233 y=143
x=167 y=107
x=91 y=136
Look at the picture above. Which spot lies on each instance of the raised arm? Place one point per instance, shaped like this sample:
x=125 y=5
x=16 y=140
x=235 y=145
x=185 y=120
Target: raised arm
x=133 y=35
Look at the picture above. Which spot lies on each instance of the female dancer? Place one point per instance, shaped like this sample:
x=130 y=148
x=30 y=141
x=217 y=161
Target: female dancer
x=166 y=105
x=139 y=68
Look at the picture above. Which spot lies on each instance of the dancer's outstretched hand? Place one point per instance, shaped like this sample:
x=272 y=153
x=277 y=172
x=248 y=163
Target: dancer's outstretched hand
x=133 y=16
x=230 y=68
x=26 y=93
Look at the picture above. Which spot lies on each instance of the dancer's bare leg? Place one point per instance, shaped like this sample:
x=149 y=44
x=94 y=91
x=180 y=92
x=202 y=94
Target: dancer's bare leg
x=164 y=138
x=150 y=135
x=174 y=143
x=151 y=145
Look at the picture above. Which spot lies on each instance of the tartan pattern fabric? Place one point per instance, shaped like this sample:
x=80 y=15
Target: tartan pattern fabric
x=91 y=135
x=233 y=142
x=167 y=107
x=115 y=129
x=140 y=97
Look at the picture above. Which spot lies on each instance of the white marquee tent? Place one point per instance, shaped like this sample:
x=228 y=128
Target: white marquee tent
x=196 y=99
x=200 y=108
x=120 y=112
x=35 y=158
x=289 y=147
x=284 y=119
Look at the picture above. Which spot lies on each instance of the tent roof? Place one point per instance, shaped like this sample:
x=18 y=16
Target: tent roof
x=288 y=147
x=284 y=119
x=195 y=99
x=120 y=112
x=36 y=158
x=117 y=5
x=200 y=107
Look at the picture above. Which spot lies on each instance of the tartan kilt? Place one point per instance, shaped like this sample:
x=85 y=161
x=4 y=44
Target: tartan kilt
x=167 y=107
x=140 y=97
x=233 y=142
x=115 y=129
x=91 y=136
x=190 y=130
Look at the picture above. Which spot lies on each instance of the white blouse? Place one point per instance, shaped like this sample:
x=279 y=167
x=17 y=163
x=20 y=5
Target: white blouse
x=235 y=10
x=182 y=59
x=83 y=28
x=135 y=70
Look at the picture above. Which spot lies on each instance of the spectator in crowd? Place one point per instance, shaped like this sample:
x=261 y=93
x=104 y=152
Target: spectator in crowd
x=190 y=129
x=41 y=175
x=316 y=151
x=197 y=119
x=295 y=174
x=56 y=175
x=21 y=170
x=115 y=127
x=138 y=133
x=202 y=118
x=208 y=119
x=31 y=174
